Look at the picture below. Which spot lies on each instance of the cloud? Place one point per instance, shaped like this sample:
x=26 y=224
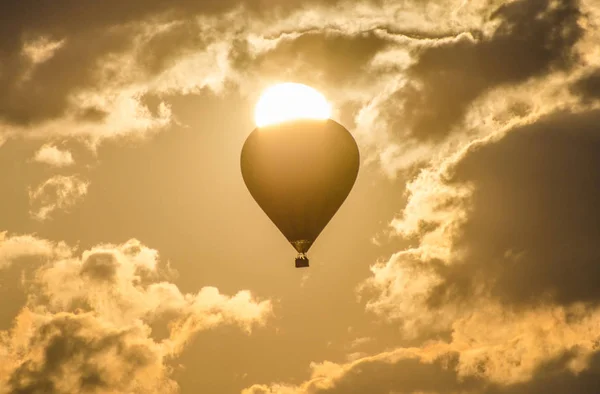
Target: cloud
x=533 y=215
x=13 y=248
x=66 y=353
x=57 y=193
x=528 y=217
x=435 y=90
x=318 y=57
x=589 y=86
x=402 y=369
x=380 y=63
x=402 y=372
x=492 y=350
x=41 y=50
x=413 y=80
x=404 y=77
x=502 y=229
x=507 y=220
x=83 y=71
x=62 y=64
x=409 y=90
x=120 y=281
x=51 y=155
x=503 y=264
x=89 y=322
x=530 y=39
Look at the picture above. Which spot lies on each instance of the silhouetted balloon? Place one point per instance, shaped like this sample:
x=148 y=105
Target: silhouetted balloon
x=300 y=172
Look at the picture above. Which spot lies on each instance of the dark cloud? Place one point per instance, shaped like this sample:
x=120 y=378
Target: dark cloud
x=588 y=86
x=165 y=48
x=78 y=354
x=90 y=32
x=67 y=16
x=379 y=375
x=100 y=266
x=555 y=377
x=92 y=114
x=317 y=56
x=533 y=37
x=405 y=375
x=532 y=225
x=35 y=92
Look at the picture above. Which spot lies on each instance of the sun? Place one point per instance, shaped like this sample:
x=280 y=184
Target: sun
x=290 y=101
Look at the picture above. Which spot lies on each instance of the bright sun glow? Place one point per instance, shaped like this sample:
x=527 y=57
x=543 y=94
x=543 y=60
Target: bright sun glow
x=290 y=101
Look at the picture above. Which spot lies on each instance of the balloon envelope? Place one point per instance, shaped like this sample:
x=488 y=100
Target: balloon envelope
x=300 y=173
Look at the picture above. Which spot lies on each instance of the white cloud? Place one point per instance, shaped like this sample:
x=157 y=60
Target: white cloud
x=15 y=247
x=51 y=155
x=42 y=49
x=57 y=193
x=94 y=314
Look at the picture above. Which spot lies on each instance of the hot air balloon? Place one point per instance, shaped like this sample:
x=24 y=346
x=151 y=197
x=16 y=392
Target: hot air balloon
x=300 y=172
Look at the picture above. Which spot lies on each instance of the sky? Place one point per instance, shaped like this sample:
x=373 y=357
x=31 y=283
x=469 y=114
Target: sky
x=465 y=260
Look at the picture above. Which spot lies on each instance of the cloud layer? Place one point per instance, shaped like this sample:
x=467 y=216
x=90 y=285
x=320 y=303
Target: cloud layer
x=57 y=193
x=503 y=268
x=489 y=106
x=90 y=323
x=498 y=286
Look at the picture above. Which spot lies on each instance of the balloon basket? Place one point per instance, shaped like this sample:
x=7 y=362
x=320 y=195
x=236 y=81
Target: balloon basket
x=301 y=261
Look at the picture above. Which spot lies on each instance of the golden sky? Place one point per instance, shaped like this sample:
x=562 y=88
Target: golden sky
x=465 y=260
